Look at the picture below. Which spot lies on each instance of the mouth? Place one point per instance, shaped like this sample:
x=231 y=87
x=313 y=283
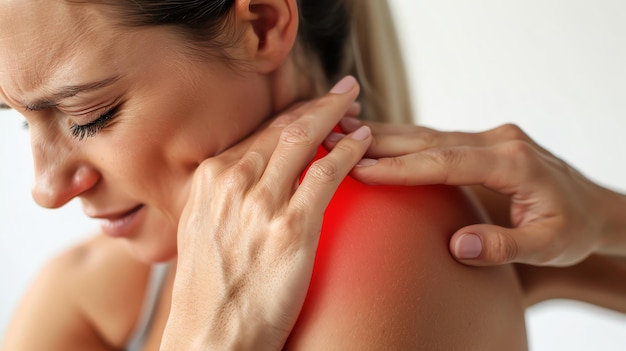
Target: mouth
x=121 y=224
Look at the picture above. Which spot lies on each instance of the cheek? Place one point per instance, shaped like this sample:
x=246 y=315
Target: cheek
x=153 y=169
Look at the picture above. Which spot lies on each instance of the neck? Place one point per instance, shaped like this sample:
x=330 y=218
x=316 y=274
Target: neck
x=291 y=83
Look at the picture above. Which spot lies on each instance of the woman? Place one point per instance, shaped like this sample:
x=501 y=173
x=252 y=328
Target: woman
x=136 y=109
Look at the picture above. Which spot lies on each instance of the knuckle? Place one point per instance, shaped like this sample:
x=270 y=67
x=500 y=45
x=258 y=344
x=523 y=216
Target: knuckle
x=511 y=131
x=521 y=154
x=505 y=248
x=230 y=180
x=238 y=175
x=323 y=171
x=520 y=149
x=288 y=224
x=396 y=163
x=243 y=166
x=398 y=167
x=285 y=230
x=207 y=170
x=443 y=156
x=262 y=194
x=345 y=147
x=445 y=160
x=250 y=162
x=285 y=119
x=429 y=138
x=296 y=134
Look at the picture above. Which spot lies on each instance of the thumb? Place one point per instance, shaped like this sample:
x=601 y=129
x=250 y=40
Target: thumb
x=485 y=245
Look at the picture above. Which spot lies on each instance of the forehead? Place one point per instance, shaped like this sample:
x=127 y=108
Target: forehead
x=40 y=39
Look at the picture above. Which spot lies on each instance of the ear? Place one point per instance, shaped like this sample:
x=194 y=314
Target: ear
x=269 y=31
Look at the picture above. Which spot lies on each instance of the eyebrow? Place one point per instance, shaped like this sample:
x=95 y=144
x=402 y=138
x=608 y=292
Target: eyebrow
x=68 y=92
x=4 y=106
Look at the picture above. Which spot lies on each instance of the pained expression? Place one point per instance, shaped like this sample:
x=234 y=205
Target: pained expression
x=145 y=115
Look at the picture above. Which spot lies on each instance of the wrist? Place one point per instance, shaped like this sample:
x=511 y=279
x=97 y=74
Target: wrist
x=245 y=336
x=233 y=334
x=613 y=230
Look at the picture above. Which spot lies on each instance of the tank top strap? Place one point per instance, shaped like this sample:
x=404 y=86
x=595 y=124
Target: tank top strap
x=158 y=272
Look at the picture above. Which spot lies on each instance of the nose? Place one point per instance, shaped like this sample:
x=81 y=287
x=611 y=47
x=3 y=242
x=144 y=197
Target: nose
x=60 y=176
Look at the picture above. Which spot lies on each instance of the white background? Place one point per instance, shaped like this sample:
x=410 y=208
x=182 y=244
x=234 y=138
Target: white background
x=556 y=68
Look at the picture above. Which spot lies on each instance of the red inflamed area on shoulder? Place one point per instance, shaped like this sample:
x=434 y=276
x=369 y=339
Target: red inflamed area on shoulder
x=382 y=253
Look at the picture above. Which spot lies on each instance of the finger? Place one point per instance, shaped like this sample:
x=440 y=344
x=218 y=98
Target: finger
x=349 y=124
x=420 y=139
x=265 y=136
x=253 y=153
x=300 y=140
x=487 y=245
x=354 y=110
x=509 y=132
x=397 y=139
x=502 y=168
x=324 y=176
x=452 y=166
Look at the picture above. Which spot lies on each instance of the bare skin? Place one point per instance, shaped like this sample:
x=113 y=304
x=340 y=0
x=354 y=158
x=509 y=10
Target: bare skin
x=544 y=212
x=184 y=156
x=557 y=216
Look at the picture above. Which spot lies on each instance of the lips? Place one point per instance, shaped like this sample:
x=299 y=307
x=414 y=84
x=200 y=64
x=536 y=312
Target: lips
x=120 y=224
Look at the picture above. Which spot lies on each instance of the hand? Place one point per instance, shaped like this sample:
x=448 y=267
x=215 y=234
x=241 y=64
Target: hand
x=558 y=216
x=249 y=231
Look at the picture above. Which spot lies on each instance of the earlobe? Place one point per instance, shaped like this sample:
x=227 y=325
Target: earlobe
x=270 y=30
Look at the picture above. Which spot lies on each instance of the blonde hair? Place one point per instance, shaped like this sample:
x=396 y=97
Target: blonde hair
x=357 y=37
x=337 y=38
x=375 y=58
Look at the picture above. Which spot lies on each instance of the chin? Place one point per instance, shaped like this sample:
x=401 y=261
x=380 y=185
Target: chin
x=150 y=255
x=152 y=246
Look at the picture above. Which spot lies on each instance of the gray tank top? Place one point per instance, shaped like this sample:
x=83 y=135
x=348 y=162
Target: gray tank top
x=137 y=339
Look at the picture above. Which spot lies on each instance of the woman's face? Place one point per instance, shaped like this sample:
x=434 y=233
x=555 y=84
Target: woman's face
x=119 y=117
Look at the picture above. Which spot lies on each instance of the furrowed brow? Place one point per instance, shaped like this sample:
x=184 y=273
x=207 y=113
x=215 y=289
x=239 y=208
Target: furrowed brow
x=68 y=92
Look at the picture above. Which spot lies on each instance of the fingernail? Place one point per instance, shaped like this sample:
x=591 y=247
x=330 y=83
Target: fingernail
x=335 y=137
x=344 y=85
x=468 y=246
x=350 y=124
x=366 y=162
x=362 y=133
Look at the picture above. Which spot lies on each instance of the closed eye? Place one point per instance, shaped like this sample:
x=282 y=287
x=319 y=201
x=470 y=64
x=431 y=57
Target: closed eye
x=92 y=128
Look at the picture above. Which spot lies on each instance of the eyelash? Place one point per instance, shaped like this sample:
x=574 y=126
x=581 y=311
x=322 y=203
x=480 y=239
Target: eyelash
x=92 y=128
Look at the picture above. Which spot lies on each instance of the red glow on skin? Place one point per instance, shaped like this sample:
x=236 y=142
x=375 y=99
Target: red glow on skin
x=383 y=270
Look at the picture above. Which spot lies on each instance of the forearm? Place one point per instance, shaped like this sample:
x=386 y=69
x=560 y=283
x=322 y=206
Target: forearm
x=599 y=280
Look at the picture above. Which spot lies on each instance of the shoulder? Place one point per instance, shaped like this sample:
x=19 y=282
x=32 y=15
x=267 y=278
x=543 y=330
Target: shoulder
x=384 y=278
x=83 y=298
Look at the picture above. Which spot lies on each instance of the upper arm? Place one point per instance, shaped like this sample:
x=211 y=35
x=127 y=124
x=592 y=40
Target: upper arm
x=84 y=299
x=384 y=279
x=49 y=316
